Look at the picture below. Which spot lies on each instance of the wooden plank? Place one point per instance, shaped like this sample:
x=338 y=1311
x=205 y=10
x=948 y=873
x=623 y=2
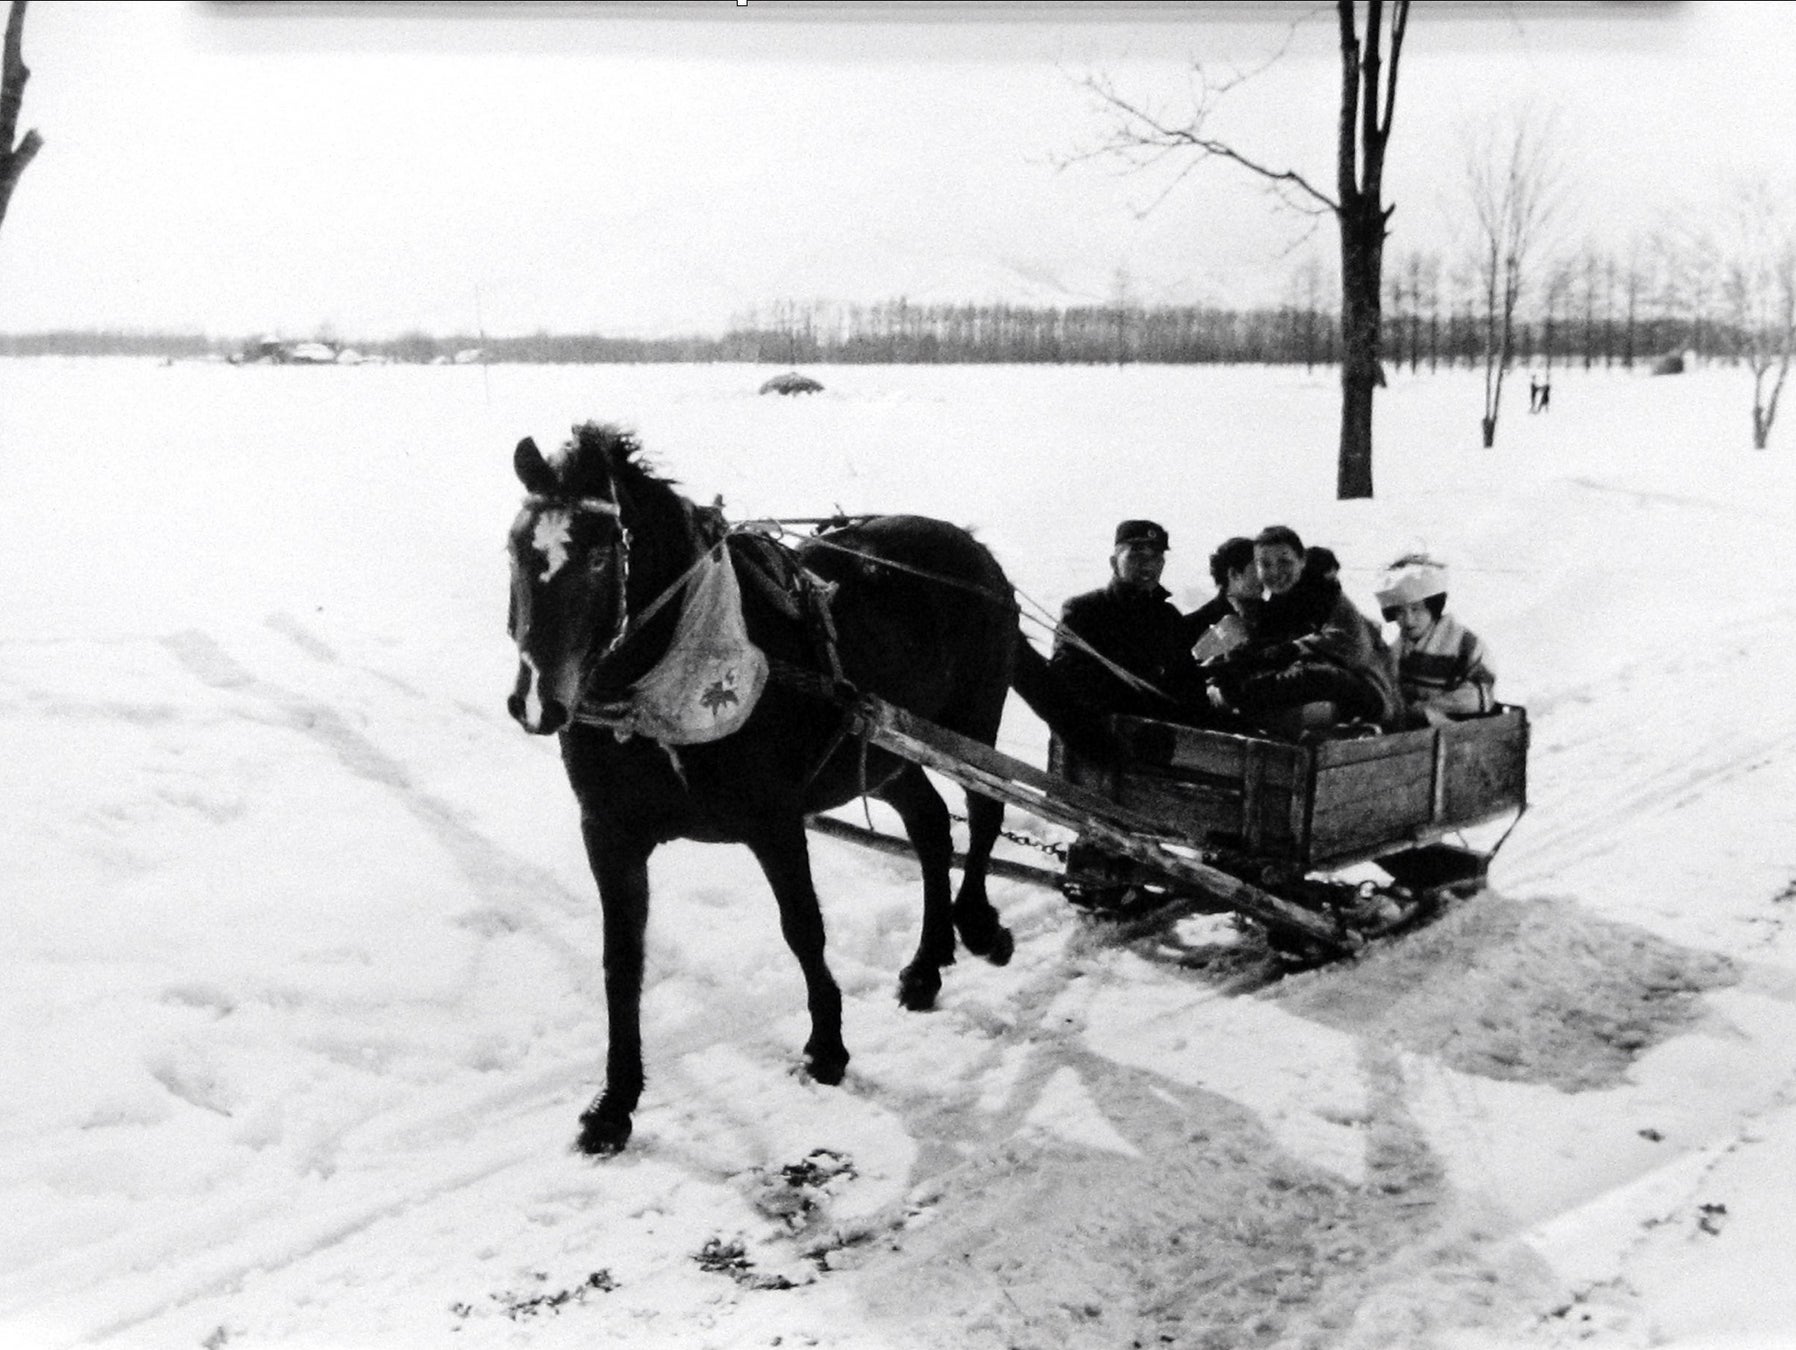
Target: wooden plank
x=1192 y=809
x=1206 y=813
x=1151 y=741
x=1331 y=753
x=1011 y=780
x=1437 y=784
x=1303 y=799
x=1368 y=822
x=1485 y=777
x=1365 y=804
x=1252 y=828
x=1339 y=785
x=1479 y=771
x=1197 y=750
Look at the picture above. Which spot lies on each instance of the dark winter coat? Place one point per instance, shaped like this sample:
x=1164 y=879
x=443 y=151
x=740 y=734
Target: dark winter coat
x=1314 y=623
x=1140 y=631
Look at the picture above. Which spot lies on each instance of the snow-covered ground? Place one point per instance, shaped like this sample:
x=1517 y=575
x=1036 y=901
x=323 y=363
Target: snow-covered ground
x=301 y=993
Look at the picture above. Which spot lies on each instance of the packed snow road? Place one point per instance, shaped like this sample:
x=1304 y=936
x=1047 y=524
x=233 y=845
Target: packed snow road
x=302 y=965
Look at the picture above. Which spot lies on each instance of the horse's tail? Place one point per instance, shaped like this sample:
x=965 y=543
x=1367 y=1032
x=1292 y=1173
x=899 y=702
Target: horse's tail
x=1082 y=729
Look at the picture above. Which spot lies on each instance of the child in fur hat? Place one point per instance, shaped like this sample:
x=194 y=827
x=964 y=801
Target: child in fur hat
x=1443 y=668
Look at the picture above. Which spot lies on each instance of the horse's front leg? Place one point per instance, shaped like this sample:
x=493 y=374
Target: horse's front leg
x=785 y=858
x=623 y=876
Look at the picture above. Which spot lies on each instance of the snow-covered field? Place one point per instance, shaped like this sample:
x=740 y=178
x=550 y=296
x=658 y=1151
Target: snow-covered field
x=301 y=993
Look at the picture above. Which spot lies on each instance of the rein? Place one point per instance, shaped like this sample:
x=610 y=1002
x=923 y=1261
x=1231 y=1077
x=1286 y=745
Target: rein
x=628 y=625
x=1052 y=626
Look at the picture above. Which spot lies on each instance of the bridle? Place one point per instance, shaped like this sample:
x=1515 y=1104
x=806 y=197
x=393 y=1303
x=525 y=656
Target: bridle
x=618 y=555
x=624 y=624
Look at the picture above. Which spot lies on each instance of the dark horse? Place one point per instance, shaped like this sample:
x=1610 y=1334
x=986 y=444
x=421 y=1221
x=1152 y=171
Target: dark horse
x=922 y=615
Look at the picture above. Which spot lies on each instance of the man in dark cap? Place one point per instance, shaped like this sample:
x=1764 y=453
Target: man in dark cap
x=1125 y=648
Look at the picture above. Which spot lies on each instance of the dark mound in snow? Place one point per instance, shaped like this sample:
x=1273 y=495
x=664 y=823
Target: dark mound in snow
x=791 y=383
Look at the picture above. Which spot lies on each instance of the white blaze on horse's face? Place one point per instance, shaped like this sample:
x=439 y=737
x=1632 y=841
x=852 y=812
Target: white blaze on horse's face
x=553 y=534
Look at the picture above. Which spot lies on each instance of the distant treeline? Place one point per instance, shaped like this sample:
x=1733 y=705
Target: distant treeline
x=902 y=333
x=77 y=343
x=1190 y=334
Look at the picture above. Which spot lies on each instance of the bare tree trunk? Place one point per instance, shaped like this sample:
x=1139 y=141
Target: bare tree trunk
x=1764 y=407
x=1361 y=254
x=1367 y=103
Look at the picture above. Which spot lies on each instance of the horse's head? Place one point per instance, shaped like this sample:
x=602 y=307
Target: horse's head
x=570 y=559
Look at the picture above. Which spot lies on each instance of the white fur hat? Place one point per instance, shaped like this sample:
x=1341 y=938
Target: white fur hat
x=1411 y=579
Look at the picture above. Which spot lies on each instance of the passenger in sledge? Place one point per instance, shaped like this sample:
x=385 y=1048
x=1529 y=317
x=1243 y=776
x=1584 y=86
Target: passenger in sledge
x=1313 y=659
x=1220 y=624
x=1322 y=563
x=1444 y=669
x=1125 y=648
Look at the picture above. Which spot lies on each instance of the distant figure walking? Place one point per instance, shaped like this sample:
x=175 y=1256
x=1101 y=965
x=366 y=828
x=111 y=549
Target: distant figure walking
x=1546 y=393
x=1534 y=393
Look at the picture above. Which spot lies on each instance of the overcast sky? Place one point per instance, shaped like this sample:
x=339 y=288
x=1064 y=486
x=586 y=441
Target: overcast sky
x=639 y=168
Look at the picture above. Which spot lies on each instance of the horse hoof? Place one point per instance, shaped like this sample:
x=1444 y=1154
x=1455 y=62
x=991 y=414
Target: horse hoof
x=992 y=942
x=917 y=988
x=827 y=1069
x=601 y=1136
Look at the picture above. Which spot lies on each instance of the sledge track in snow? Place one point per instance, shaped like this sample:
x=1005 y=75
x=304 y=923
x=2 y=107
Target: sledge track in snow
x=1583 y=792
x=1560 y=832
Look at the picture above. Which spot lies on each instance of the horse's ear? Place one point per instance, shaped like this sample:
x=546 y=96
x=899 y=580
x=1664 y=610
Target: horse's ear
x=533 y=470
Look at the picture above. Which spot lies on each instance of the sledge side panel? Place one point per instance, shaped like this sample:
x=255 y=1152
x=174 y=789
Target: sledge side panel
x=1320 y=805
x=1239 y=791
x=1365 y=805
x=1485 y=767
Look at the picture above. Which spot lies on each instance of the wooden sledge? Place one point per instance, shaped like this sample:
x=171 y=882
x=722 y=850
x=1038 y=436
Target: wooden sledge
x=1205 y=820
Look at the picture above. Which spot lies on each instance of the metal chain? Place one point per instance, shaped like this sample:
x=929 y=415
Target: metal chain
x=1055 y=851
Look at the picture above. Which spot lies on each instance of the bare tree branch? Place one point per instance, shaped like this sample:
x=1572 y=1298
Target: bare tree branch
x=1513 y=185
x=13 y=75
x=1346 y=162
x=1755 y=242
x=1398 y=27
x=1372 y=148
x=1142 y=138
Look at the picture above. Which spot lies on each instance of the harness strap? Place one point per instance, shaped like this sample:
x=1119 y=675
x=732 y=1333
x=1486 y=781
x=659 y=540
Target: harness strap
x=781 y=597
x=824 y=541
x=834 y=690
x=804 y=597
x=821 y=620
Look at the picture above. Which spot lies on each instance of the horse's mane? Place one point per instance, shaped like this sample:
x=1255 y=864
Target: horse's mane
x=602 y=454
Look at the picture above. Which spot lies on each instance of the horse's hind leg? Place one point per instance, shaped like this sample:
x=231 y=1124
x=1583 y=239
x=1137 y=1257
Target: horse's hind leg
x=979 y=925
x=785 y=858
x=925 y=818
x=623 y=877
